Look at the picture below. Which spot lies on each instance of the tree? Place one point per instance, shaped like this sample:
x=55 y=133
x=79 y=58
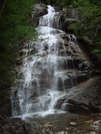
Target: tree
x=14 y=29
x=14 y=24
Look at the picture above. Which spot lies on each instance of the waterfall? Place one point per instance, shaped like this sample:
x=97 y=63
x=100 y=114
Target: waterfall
x=46 y=75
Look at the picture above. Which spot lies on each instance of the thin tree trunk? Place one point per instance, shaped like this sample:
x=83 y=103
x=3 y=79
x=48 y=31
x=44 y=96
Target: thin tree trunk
x=2 y=8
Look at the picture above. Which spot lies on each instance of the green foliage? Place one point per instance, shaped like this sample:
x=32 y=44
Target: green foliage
x=89 y=13
x=14 y=24
x=91 y=18
x=80 y=3
x=74 y=27
x=96 y=51
x=64 y=3
x=15 y=28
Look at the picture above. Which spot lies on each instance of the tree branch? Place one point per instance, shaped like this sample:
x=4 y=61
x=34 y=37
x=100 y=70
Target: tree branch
x=3 y=129
x=2 y=8
x=3 y=119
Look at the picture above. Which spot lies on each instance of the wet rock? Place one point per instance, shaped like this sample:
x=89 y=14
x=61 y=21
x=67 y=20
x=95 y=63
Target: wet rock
x=23 y=52
x=38 y=10
x=82 y=77
x=62 y=52
x=82 y=98
x=86 y=99
x=65 y=37
x=56 y=21
x=69 y=107
x=44 y=53
x=18 y=61
x=73 y=63
x=60 y=42
x=64 y=82
x=59 y=103
x=85 y=65
x=72 y=12
x=66 y=42
x=17 y=69
x=32 y=127
x=16 y=126
x=68 y=21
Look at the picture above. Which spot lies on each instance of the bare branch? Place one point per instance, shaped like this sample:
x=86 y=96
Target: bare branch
x=2 y=118
x=3 y=129
x=2 y=8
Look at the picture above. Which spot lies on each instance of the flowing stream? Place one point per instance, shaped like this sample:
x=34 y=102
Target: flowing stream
x=46 y=75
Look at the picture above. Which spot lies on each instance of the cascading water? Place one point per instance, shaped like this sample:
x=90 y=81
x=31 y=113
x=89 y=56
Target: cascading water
x=45 y=77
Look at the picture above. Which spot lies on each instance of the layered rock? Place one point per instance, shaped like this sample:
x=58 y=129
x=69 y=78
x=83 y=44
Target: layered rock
x=71 y=18
x=74 y=68
x=84 y=98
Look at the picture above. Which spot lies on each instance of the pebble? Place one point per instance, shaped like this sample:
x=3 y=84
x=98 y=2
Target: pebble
x=72 y=123
x=97 y=122
x=62 y=132
x=95 y=126
x=48 y=124
x=92 y=132
x=67 y=129
x=90 y=121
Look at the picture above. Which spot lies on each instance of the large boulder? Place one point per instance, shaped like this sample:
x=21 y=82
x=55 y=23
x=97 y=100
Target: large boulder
x=84 y=98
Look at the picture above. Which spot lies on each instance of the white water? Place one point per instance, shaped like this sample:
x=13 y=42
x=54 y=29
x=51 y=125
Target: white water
x=37 y=93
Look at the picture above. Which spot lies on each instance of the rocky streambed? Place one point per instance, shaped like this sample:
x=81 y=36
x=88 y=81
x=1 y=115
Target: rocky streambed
x=68 y=123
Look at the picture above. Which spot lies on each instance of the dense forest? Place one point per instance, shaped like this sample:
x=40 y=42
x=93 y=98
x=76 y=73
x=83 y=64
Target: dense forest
x=15 y=28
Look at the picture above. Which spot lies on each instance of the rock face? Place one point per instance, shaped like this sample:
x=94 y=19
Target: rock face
x=68 y=16
x=38 y=11
x=78 y=68
x=84 y=98
x=70 y=21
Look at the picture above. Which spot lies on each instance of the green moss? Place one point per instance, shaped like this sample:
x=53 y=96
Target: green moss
x=74 y=27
